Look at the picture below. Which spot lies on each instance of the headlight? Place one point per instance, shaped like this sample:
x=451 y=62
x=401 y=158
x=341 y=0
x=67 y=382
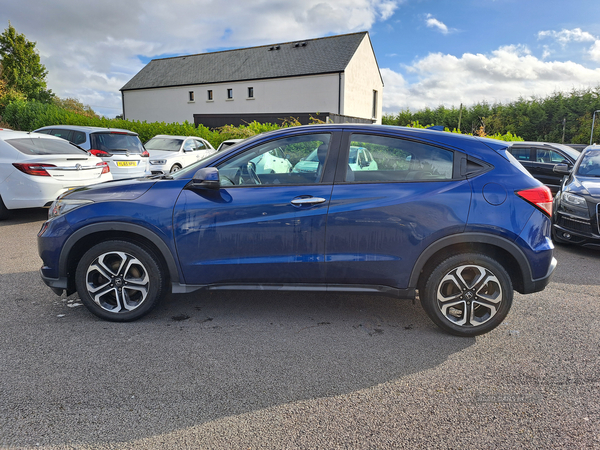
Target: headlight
x=574 y=200
x=63 y=206
x=158 y=162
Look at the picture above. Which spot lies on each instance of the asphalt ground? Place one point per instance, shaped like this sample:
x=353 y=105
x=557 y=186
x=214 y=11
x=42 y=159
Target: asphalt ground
x=264 y=370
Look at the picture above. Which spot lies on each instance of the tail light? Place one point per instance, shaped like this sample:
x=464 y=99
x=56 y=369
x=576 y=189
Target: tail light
x=34 y=169
x=146 y=154
x=105 y=168
x=100 y=153
x=540 y=197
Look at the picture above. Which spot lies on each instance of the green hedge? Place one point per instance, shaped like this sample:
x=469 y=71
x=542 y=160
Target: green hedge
x=31 y=115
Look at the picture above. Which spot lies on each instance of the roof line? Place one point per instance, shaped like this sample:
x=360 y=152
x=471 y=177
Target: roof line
x=260 y=46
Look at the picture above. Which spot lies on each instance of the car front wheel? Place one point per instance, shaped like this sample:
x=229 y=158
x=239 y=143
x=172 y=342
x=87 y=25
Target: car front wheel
x=119 y=281
x=468 y=294
x=175 y=168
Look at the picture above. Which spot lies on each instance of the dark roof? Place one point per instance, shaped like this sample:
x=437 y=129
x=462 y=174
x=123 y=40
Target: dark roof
x=309 y=57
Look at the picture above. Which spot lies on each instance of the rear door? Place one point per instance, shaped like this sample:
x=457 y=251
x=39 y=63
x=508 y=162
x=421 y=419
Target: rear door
x=381 y=220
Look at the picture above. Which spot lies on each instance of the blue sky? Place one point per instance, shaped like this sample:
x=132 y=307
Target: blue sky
x=430 y=52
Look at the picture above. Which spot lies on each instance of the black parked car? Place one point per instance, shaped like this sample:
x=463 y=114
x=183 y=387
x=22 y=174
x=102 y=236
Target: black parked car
x=539 y=158
x=576 y=211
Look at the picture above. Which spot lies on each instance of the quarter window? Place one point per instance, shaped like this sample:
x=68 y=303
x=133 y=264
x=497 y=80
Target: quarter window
x=380 y=158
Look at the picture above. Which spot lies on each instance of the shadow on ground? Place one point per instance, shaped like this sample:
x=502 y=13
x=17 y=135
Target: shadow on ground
x=68 y=378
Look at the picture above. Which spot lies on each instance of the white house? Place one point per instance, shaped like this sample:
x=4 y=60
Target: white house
x=334 y=78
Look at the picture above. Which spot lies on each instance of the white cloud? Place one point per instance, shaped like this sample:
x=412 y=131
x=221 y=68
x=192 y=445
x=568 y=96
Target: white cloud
x=434 y=23
x=502 y=76
x=566 y=36
x=594 y=51
x=91 y=49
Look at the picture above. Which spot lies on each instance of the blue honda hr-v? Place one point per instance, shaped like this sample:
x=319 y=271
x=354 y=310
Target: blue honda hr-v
x=452 y=219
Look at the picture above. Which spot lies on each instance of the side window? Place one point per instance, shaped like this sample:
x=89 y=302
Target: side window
x=542 y=155
x=301 y=161
x=189 y=146
x=65 y=134
x=78 y=137
x=557 y=158
x=379 y=158
x=199 y=144
x=521 y=154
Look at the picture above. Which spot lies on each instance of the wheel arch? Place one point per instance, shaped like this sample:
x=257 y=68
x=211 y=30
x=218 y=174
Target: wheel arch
x=506 y=252
x=84 y=238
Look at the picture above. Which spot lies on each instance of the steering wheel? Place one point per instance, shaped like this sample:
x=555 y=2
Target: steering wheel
x=251 y=168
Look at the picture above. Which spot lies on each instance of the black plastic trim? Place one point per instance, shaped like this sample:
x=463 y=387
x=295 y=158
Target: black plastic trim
x=529 y=283
x=117 y=226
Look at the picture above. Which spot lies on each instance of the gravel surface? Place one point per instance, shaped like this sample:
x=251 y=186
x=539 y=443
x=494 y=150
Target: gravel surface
x=294 y=371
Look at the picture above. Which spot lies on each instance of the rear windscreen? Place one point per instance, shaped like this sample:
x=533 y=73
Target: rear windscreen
x=113 y=142
x=41 y=146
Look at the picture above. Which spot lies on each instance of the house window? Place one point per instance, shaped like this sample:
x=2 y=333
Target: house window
x=210 y=96
x=230 y=94
x=250 y=92
x=374 y=105
x=191 y=93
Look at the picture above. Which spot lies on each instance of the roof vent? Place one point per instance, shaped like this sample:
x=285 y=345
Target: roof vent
x=299 y=44
x=274 y=47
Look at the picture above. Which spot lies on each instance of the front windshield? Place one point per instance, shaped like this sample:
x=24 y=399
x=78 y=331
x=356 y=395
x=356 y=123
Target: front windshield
x=590 y=164
x=165 y=144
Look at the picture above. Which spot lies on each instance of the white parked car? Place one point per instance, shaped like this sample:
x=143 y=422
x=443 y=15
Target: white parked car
x=273 y=161
x=36 y=168
x=121 y=149
x=172 y=153
x=228 y=143
x=359 y=158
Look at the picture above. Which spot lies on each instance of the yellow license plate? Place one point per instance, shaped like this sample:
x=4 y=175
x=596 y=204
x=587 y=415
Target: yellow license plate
x=126 y=163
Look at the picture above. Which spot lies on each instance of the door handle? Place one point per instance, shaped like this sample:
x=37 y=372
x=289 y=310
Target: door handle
x=307 y=201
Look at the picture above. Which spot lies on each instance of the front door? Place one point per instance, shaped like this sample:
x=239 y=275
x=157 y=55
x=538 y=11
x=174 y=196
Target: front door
x=258 y=228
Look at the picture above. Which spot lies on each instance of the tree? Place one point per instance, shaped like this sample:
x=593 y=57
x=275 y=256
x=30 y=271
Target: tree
x=20 y=68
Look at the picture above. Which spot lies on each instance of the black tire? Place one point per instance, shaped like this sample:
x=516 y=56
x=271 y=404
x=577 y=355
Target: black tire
x=119 y=281
x=175 y=168
x=467 y=294
x=3 y=210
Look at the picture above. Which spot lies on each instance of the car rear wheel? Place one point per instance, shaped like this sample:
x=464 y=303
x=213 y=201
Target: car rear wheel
x=119 y=281
x=468 y=294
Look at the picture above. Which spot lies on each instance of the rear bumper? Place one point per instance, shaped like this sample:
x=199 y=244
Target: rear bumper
x=540 y=283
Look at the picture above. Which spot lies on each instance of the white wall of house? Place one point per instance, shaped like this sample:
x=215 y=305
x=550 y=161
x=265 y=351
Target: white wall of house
x=316 y=93
x=361 y=79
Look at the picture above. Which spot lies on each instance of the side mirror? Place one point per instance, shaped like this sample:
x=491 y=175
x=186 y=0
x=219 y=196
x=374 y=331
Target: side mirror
x=206 y=178
x=562 y=169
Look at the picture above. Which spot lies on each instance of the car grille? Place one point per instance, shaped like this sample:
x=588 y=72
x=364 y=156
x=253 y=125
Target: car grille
x=571 y=223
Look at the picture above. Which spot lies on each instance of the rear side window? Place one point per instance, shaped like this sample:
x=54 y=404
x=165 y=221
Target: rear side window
x=521 y=154
x=116 y=142
x=41 y=146
x=381 y=158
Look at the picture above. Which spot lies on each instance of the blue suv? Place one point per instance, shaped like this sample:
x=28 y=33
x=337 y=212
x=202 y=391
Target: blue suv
x=452 y=219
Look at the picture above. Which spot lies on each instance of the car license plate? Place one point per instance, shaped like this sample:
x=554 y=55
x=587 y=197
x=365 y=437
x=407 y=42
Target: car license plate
x=126 y=163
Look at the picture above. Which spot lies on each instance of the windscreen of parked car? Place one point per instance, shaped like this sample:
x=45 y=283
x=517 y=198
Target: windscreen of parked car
x=164 y=144
x=41 y=146
x=114 y=142
x=590 y=164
